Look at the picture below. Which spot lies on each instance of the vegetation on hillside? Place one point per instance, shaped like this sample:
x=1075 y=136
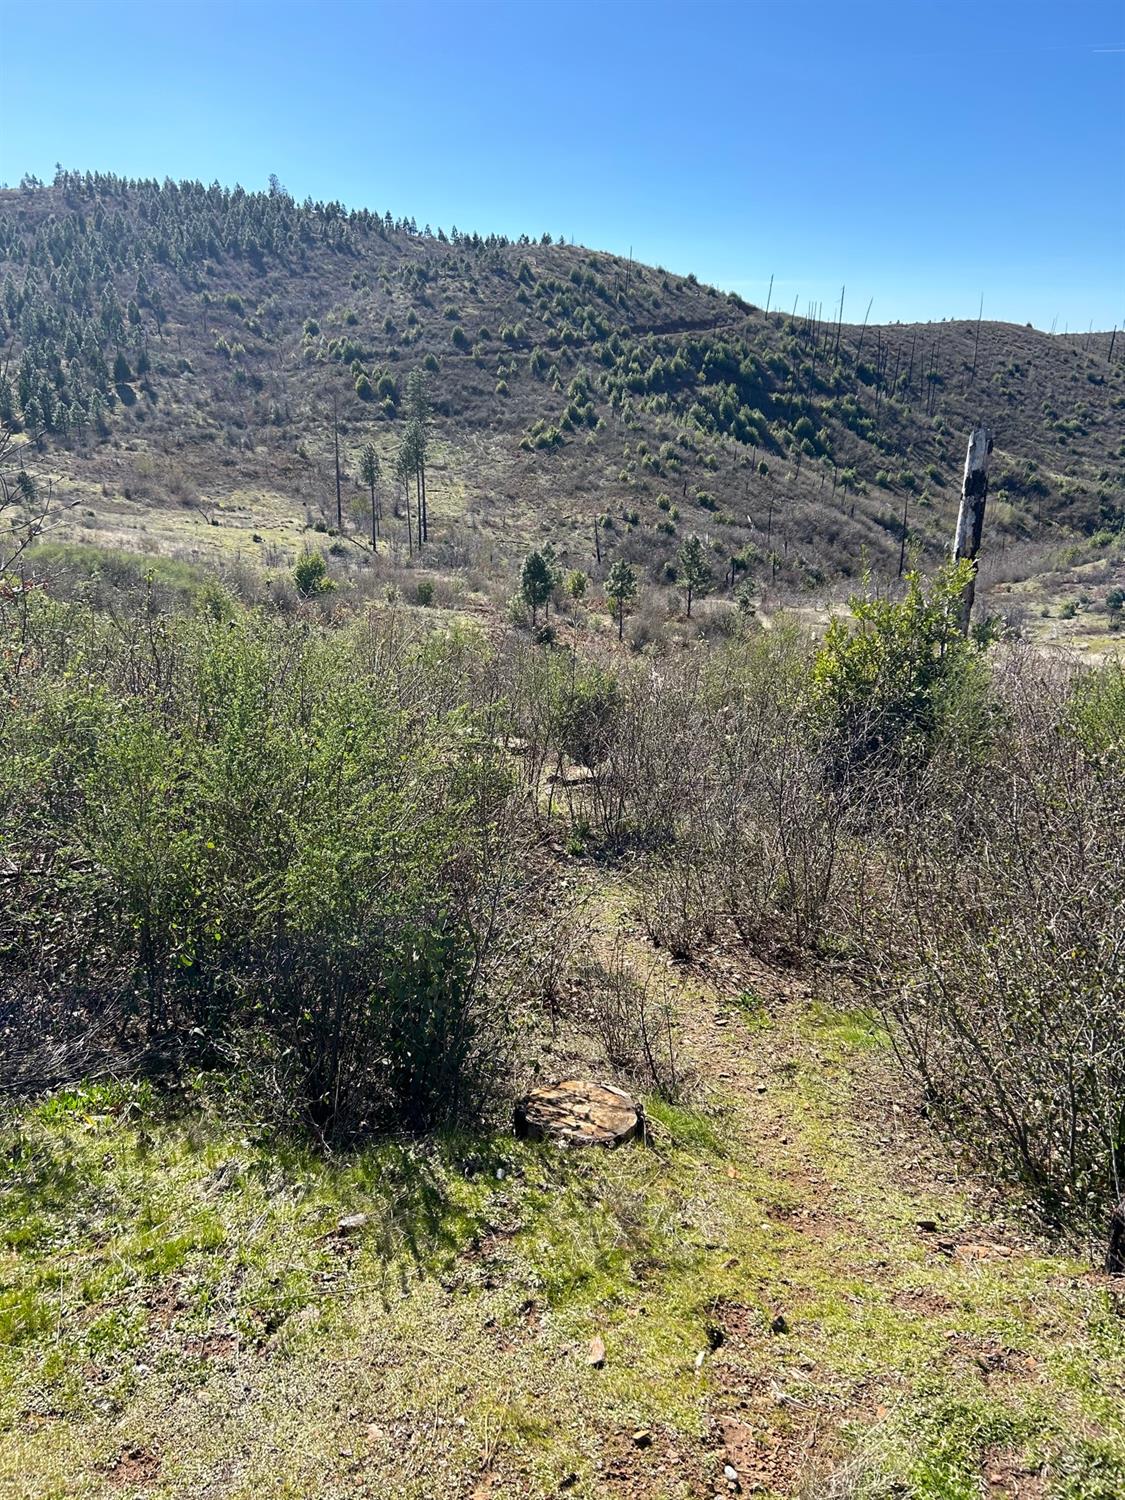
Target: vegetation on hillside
x=176 y=343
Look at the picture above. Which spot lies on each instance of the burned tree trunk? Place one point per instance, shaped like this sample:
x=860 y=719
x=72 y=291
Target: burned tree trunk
x=970 y=517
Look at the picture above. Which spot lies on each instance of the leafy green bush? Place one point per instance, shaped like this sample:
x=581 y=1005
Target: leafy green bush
x=311 y=576
x=247 y=852
x=903 y=674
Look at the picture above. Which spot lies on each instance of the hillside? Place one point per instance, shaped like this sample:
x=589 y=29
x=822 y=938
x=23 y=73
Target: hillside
x=172 y=355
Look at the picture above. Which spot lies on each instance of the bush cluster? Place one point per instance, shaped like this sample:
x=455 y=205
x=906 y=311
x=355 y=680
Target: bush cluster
x=242 y=843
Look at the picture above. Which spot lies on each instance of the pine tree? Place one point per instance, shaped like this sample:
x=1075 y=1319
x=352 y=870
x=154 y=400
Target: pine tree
x=536 y=583
x=369 y=474
x=404 y=471
x=621 y=588
x=695 y=571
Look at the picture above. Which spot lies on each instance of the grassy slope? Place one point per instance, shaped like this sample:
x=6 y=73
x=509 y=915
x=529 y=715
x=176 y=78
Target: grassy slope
x=178 y=1318
x=230 y=460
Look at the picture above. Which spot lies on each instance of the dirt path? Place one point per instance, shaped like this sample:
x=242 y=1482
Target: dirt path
x=792 y=1291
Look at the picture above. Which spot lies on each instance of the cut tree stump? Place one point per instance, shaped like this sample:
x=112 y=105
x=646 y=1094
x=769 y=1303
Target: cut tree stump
x=574 y=1112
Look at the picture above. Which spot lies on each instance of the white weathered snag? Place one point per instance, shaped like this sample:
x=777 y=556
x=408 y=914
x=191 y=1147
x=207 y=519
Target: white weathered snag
x=970 y=517
x=574 y=1112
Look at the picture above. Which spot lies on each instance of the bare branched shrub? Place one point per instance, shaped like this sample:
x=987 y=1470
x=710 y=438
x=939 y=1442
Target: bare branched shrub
x=993 y=928
x=631 y=1018
x=680 y=902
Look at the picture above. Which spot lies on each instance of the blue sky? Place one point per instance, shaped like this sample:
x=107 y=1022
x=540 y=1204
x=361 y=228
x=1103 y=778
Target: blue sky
x=920 y=153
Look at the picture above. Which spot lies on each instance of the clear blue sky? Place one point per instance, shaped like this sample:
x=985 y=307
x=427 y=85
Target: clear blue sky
x=922 y=153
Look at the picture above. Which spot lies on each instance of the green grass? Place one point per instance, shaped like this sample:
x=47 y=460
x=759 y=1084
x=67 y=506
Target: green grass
x=171 y=1283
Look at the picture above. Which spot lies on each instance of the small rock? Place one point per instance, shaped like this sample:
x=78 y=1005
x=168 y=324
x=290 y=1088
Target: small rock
x=729 y=1471
x=780 y=1324
x=353 y=1223
x=642 y=1438
x=596 y=1356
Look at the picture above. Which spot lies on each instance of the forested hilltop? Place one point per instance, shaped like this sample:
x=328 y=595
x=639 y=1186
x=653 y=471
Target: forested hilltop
x=174 y=355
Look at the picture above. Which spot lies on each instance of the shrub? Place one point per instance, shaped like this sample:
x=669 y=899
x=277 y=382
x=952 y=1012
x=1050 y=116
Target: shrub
x=903 y=674
x=257 y=857
x=991 y=918
x=311 y=576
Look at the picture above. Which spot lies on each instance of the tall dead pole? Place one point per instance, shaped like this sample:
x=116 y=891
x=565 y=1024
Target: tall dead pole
x=976 y=344
x=970 y=516
x=336 y=445
x=769 y=294
x=863 y=330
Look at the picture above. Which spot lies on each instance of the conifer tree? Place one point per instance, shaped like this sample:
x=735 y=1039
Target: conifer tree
x=536 y=583
x=369 y=473
x=621 y=589
x=695 y=572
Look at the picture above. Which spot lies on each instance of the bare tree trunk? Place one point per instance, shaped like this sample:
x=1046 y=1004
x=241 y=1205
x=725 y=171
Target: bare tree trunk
x=976 y=344
x=970 y=517
x=336 y=445
x=863 y=330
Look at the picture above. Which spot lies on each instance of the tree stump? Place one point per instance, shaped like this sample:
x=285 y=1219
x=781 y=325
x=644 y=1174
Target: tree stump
x=573 y=1112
